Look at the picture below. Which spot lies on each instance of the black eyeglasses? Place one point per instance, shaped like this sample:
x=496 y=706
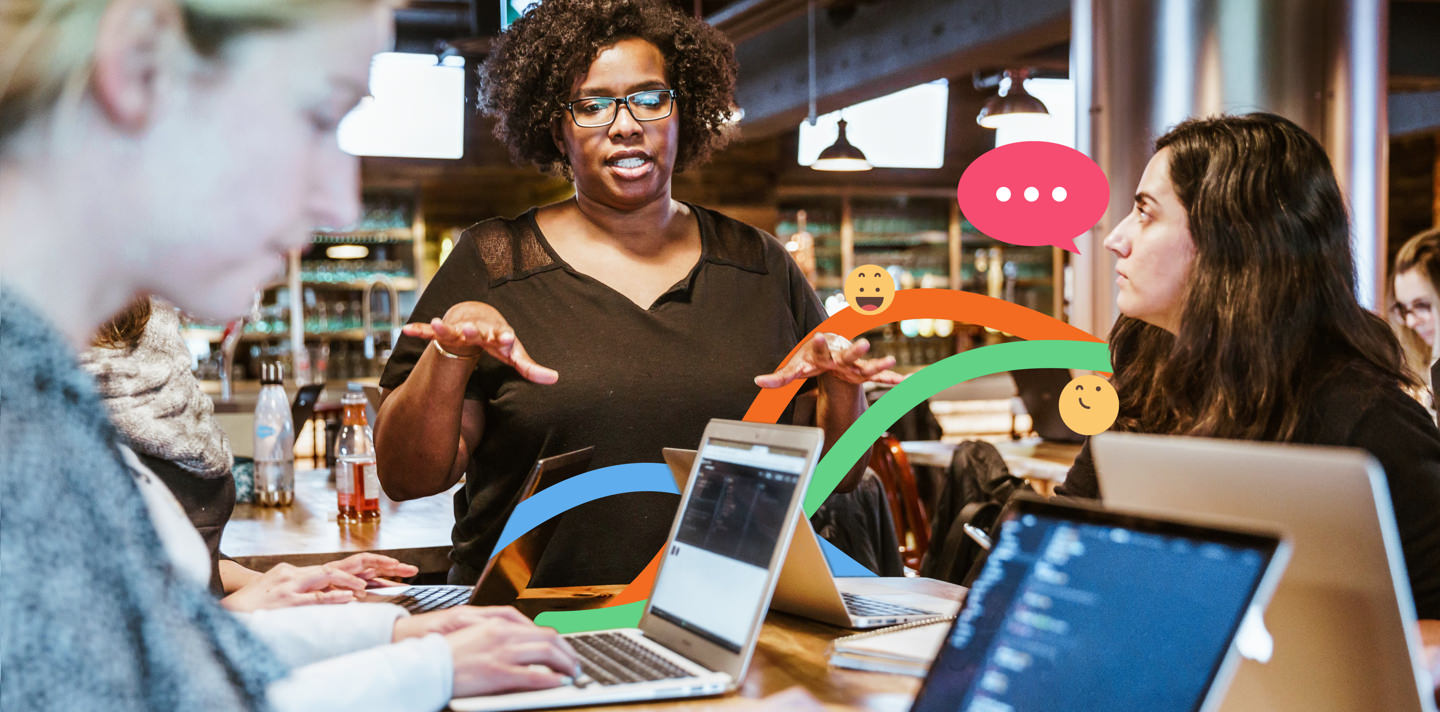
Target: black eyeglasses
x=596 y=111
x=1421 y=309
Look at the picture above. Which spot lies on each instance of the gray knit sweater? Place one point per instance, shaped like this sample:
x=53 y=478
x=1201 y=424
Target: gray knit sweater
x=92 y=614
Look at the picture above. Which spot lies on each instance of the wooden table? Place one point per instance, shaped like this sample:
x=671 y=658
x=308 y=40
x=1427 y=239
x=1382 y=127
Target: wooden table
x=792 y=652
x=307 y=532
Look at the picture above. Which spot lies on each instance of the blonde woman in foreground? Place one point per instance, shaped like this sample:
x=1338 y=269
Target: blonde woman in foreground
x=178 y=148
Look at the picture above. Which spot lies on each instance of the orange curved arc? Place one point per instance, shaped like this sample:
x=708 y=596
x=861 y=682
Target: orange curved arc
x=923 y=304
x=988 y=311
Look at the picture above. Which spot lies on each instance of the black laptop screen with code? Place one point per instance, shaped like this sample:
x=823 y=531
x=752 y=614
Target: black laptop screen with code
x=1098 y=611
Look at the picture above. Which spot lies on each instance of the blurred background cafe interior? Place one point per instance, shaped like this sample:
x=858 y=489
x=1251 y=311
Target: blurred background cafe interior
x=923 y=88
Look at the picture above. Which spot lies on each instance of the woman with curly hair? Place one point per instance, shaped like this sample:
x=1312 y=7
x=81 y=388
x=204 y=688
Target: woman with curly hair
x=1236 y=287
x=650 y=315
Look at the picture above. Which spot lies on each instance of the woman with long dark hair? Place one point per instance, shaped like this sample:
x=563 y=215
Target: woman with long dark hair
x=1236 y=286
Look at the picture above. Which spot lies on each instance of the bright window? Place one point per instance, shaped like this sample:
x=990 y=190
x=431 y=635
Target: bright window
x=416 y=109
x=901 y=130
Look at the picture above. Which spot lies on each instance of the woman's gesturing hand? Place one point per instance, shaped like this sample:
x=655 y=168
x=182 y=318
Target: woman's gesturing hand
x=471 y=328
x=840 y=359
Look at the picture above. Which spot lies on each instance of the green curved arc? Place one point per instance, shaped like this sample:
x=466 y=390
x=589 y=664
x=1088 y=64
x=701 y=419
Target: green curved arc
x=611 y=618
x=1012 y=356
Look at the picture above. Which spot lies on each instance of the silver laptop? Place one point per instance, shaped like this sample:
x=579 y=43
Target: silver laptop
x=718 y=571
x=807 y=588
x=1082 y=608
x=1343 y=619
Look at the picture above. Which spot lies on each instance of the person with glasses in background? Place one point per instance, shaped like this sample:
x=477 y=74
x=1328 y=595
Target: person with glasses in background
x=620 y=318
x=1414 y=287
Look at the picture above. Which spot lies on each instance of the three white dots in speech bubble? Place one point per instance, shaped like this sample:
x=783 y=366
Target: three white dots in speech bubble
x=1032 y=194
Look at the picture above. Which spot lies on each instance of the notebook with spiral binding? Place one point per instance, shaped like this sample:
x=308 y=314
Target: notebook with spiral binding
x=906 y=649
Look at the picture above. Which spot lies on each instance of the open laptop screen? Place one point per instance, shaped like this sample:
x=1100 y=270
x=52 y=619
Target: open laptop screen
x=1082 y=608
x=713 y=580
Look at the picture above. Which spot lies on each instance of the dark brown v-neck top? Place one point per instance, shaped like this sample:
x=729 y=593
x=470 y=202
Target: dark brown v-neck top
x=632 y=380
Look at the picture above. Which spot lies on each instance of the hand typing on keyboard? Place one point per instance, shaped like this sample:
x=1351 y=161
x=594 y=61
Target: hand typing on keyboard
x=340 y=581
x=496 y=649
x=284 y=586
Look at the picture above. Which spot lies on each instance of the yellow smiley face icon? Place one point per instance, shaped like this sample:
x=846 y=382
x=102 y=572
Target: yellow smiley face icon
x=869 y=289
x=1089 y=404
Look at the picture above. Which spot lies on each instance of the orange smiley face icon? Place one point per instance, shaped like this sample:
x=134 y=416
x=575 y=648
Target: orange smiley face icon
x=869 y=289
x=1089 y=405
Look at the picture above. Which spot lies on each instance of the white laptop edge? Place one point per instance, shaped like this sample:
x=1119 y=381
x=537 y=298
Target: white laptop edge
x=1107 y=446
x=1264 y=590
x=697 y=648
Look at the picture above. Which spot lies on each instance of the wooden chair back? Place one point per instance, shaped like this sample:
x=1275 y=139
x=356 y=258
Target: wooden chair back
x=912 y=522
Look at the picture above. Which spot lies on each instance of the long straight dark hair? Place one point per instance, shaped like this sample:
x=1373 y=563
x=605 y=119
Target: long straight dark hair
x=1269 y=311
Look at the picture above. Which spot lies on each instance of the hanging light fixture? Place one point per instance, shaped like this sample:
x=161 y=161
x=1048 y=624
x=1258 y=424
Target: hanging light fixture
x=841 y=155
x=1015 y=103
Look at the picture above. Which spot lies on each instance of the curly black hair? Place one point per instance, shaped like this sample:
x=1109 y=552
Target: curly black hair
x=531 y=69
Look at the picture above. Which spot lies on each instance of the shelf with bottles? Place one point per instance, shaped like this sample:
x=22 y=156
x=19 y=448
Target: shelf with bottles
x=355 y=276
x=912 y=233
x=325 y=285
x=908 y=235
x=902 y=221
x=387 y=236
x=915 y=343
x=336 y=314
x=1026 y=275
x=341 y=268
x=329 y=361
x=810 y=230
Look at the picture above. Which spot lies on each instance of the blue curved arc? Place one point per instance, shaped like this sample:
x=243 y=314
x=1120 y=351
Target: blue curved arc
x=580 y=489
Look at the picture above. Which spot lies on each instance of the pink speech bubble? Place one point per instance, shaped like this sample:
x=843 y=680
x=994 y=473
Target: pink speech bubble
x=1034 y=193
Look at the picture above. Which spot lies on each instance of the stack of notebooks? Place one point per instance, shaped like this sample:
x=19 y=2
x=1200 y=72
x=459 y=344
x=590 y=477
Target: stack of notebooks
x=906 y=649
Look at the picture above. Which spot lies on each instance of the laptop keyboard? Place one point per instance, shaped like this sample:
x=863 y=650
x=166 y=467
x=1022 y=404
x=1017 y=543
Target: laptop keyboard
x=871 y=608
x=610 y=658
x=432 y=598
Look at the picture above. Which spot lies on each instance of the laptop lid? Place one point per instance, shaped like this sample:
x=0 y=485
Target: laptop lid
x=1039 y=389
x=806 y=586
x=507 y=572
x=1343 y=619
x=1083 y=608
x=734 y=525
